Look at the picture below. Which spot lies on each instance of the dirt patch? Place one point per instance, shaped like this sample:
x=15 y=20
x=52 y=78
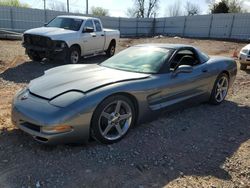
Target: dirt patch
x=202 y=146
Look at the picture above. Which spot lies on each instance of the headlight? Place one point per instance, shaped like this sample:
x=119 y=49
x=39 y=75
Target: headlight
x=67 y=99
x=56 y=129
x=61 y=44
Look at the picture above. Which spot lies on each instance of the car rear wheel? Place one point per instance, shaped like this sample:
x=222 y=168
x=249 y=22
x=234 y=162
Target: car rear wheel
x=111 y=50
x=74 y=55
x=112 y=119
x=34 y=56
x=220 y=89
x=243 y=67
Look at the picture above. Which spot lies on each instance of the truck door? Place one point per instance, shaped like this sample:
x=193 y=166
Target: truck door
x=88 y=38
x=100 y=36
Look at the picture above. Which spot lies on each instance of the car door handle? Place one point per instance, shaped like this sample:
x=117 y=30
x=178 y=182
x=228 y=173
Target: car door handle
x=102 y=35
x=204 y=70
x=93 y=35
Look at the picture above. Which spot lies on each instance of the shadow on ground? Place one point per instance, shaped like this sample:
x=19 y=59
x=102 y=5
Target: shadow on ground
x=195 y=141
x=30 y=70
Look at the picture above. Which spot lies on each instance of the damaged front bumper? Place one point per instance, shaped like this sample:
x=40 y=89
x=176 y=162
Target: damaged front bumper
x=58 y=50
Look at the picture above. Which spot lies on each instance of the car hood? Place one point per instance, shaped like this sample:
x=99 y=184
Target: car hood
x=49 y=31
x=83 y=78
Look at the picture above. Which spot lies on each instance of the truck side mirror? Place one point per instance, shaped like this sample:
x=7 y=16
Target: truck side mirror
x=88 y=30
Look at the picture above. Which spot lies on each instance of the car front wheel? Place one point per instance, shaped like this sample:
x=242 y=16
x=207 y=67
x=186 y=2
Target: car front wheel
x=112 y=119
x=220 y=89
x=74 y=55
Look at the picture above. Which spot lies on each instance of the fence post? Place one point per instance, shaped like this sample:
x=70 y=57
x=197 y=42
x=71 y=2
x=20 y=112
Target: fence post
x=45 y=16
x=184 y=26
x=210 y=26
x=153 y=27
x=11 y=19
x=232 y=25
x=119 y=24
x=137 y=27
x=164 y=25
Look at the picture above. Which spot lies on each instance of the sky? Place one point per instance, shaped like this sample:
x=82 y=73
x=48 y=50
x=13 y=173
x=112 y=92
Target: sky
x=118 y=8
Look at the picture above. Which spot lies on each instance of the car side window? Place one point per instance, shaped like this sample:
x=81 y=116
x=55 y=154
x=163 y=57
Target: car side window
x=97 y=25
x=89 y=23
x=184 y=57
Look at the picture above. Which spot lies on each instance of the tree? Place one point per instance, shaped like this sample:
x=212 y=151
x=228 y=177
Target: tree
x=235 y=6
x=226 y=6
x=143 y=9
x=191 y=9
x=99 y=11
x=174 y=9
x=13 y=3
x=220 y=7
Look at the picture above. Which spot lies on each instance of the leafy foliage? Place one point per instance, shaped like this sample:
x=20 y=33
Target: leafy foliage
x=220 y=7
x=99 y=11
x=13 y=3
x=227 y=6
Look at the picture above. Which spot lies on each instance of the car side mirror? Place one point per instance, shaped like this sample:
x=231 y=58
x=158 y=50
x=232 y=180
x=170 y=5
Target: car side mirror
x=45 y=24
x=183 y=69
x=88 y=30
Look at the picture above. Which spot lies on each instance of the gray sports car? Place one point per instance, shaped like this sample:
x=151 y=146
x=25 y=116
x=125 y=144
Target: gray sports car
x=71 y=103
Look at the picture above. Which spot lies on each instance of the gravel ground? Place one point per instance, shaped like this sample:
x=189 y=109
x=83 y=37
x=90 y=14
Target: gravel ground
x=200 y=146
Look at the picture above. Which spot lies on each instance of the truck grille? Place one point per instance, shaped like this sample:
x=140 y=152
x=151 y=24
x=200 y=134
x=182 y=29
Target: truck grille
x=37 y=40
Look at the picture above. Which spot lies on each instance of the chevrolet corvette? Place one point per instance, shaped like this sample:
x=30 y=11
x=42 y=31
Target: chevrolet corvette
x=73 y=103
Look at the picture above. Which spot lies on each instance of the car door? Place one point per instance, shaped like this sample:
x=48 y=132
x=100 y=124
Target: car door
x=179 y=87
x=88 y=38
x=100 y=36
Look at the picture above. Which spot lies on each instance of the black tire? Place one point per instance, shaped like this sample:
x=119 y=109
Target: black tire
x=213 y=99
x=73 y=51
x=243 y=67
x=34 y=56
x=111 y=50
x=97 y=123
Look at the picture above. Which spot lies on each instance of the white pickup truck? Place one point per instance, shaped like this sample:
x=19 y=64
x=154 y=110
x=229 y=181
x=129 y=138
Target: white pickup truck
x=244 y=57
x=70 y=37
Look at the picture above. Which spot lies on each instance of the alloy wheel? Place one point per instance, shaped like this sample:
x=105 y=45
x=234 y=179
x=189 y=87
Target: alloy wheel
x=115 y=120
x=74 y=57
x=221 y=89
x=112 y=50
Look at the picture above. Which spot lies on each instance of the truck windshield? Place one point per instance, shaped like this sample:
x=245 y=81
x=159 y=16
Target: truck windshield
x=138 y=59
x=66 y=23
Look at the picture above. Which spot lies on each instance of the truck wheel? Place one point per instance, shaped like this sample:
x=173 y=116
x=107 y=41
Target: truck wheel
x=34 y=56
x=74 y=55
x=111 y=50
x=243 y=67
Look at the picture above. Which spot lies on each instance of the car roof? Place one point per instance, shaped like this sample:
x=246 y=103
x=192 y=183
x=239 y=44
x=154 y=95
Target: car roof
x=76 y=17
x=165 y=45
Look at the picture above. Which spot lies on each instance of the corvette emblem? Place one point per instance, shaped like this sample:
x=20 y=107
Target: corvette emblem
x=24 y=97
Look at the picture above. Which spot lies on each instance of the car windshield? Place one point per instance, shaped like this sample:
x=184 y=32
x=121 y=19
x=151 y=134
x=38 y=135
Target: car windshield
x=66 y=23
x=138 y=59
